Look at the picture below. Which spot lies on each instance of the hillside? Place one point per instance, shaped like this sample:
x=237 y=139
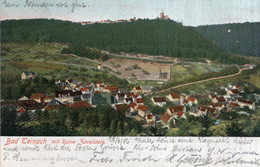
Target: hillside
x=241 y=39
x=153 y=37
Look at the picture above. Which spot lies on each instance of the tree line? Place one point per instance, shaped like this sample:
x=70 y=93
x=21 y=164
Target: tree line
x=66 y=121
x=153 y=37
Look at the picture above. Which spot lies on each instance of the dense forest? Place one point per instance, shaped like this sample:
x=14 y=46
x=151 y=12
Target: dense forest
x=153 y=37
x=66 y=121
x=241 y=38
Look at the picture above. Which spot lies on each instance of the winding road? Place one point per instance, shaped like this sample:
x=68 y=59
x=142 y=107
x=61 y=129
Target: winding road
x=205 y=80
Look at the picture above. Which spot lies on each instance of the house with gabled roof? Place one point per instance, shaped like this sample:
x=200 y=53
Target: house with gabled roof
x=212 y=96
x=89 y=84
x=232 y=105
x=15 y=104
x=47 y=99
x=193 y=100
x=80 y=104
x=128 y=100
x=100 y=88
x=233 y=92
x=150 y=118
x=23 y=98
x=142 y=110
x=66 y=87
x=159 y=101
x=21 y=109
x=111 y=89
x=128 y=95
x=120 y=97
x=74 y=83
x=123 y=108
x=86 y=90
x=100 y=83
x=204 y=109
x=67 y=96
x=137 y=95
x=69 y=80
x=246 y=103
x=236 y=87
x=220 y=99
x=34 y=107
x=97 y=92
x=177 y=111
x=28 y=75
x=80 y=85
x=166 y=118
x=218 y=106
x=174 y=97
x=137 y=89
x=186 y=102
x=133 y=106
x=140 y=101
x=146 y=89
x=53 y=104
x=39 y=97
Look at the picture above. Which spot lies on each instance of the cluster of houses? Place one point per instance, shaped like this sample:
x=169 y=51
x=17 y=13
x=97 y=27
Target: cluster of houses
x=73 y=94
x=162 y=17
x=110 y=21
x=78 y=94
x=230 y=101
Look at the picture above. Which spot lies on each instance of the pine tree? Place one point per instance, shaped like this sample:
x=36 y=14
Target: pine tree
x=206 y=124
x=235 y=129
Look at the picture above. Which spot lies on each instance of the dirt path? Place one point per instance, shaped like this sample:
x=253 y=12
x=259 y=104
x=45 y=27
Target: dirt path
x=205 y=80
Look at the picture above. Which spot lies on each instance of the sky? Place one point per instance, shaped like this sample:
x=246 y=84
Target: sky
x=189 y=12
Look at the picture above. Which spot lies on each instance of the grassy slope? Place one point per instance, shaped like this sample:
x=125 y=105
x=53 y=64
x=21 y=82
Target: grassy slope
x=182 y=72
x=17 y=57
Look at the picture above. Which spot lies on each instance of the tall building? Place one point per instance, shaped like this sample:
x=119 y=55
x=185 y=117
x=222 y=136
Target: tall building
x=162 y=15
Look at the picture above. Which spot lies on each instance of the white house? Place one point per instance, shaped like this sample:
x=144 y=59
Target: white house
x=133 y=106
x=233 y=92
x=166 y=118
x=193 y=100
x=220 y=99
x=150 y=118
x=142 y=110
x=177 y=111
x=159 y=101
x=243 y=103
x=174 y=97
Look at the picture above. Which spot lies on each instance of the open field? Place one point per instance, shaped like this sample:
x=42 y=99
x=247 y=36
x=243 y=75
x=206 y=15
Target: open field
x=182 y=72
x=255 y=79
x=140 y=70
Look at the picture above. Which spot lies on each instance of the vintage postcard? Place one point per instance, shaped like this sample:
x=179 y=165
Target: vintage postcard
x=144 y=83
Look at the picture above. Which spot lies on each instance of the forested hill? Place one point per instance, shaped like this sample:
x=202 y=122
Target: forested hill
x=154 y=37
x=235 y=38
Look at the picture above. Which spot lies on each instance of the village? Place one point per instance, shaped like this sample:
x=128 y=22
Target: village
x=134 y=104
x=162 y=17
